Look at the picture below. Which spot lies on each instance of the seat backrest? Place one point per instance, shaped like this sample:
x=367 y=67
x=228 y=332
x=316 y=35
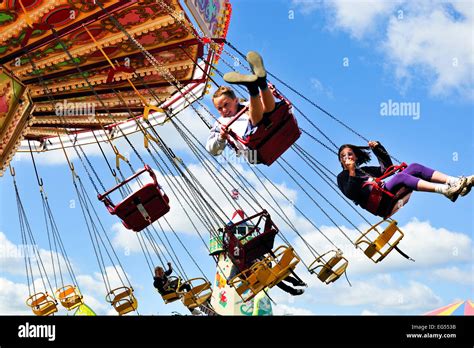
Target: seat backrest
x=269 y=125
x=146 y=194
x=259 y=246
x=286 y=258
x=147 y=202
x=126 y=305
x=66 y=291
x=386 y=235
x=264 y=277
x=341 y=269
x=170 y=297
x=401 y=199
x=46 y=308
x=235 y=250
x=72 y=302
x=38 y=299
x=371 y=250
x=118 y=294
x=195 y=291
x=272 y=140
x=243 y=287
x=327 y=268
x=192 y=301
x=335 y=274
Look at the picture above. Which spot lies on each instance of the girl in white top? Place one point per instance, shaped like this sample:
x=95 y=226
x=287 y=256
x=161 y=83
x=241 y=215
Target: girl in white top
x=227 y=104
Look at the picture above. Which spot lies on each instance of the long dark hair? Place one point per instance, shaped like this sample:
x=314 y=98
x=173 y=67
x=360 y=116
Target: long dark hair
x=362 y=153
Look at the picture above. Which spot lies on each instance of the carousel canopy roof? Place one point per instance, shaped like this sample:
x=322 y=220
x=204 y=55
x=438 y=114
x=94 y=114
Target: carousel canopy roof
x=72 y=66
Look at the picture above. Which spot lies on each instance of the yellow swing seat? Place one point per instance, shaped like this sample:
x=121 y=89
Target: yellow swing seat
x=262 y=275
x=122 y=299
x=69 y=297
x=198 y=295
x=42 y=304
x=328 y=272
x=384 y=241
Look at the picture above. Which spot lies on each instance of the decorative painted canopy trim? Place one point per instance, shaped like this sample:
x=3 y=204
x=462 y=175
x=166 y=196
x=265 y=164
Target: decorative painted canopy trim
x=14 y=132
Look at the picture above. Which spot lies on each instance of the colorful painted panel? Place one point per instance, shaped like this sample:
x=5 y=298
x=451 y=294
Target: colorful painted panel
x=208 y=14
x=151 y=31
x=58 y=13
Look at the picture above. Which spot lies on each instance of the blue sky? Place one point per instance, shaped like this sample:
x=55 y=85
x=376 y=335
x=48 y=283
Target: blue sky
x=419 y=52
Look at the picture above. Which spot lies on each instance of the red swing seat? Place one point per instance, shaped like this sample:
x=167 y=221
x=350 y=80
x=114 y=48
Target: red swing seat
x=382 y=202
x=245 y=254
x=141 y=208
x=275 y=134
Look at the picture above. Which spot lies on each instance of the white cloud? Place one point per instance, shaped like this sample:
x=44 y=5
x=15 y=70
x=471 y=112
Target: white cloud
x=95 y=283
x=282 y=309
x=359 y=17
x=320 y=88
x=455 y=275
x=379 y=294
x=436 y=46
x=125 y=239
x=393 y=285
x=428 y=245
x=412 y=297
x=429 y=39
x=192 y=121
x=307 y=6
x=11 y=256
x=12 y=259
x=13 y=297
x=92 y=287
x=367 y=312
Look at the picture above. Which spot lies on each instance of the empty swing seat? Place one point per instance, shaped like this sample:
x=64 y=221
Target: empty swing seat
x=252 y=280
x=262 y=275
x=384 y=241
x=141 y=208
x=331 y=270
x=42 y=304
x=123 y=300
x=198 y=295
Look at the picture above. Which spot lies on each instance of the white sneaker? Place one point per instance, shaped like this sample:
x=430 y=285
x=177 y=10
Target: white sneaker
x=467 y=186
x=454 y=191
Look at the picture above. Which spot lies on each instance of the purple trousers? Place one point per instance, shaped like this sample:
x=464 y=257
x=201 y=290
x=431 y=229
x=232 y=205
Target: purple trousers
x=409 y=177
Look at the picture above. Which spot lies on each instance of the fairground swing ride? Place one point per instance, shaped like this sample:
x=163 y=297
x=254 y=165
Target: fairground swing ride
x=78 y=73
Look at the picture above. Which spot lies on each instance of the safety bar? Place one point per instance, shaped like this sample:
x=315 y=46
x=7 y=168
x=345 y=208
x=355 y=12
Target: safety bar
x=145 y=169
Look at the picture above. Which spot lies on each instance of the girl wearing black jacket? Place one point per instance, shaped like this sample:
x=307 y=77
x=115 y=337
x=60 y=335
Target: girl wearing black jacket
x=415 y=177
